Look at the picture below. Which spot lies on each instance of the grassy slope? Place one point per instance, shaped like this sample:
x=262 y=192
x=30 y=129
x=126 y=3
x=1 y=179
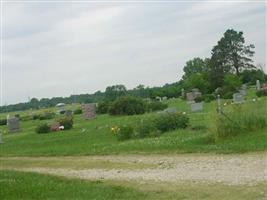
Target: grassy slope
x=25 y=185
x=98 y=140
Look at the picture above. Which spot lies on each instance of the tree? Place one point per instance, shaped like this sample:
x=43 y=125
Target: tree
x=197 y=80
x=231 y=53
x=196 y=65
x=115 y=91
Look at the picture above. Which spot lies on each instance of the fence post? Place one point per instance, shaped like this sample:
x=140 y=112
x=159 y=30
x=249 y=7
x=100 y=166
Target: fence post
x=219 y=108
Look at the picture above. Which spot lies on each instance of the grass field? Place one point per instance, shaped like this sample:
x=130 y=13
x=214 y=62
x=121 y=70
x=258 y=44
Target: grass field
x=25 y=185
x=97 y=138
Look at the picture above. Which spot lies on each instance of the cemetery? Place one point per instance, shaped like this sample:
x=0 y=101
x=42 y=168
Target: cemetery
x=137 y=100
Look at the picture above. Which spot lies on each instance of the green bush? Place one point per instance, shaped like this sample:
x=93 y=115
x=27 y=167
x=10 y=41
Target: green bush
x=3 y=122
x=103 y=107
x=26 y=118
x=127 y=106
x=46 y=115
x=67 y=122
x=78 y=111
x=36 y=116
x=125 y=133
x=145 y=128
x=198 y=99
x=42 y=128
x=241 y=119
x=156 y=105
x=261 y=93
x=209 y=97
x=170 y=121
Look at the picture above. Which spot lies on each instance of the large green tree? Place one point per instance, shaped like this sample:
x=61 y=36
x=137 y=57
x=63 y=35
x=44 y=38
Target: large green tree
x=230 y=55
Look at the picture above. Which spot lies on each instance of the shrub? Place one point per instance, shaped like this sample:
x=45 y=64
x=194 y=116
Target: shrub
x=171 y=121
x=3 y=122
x=198 y=99
x=145 y=128
x=127 y=106
x=36 y=116
x=125 y=133
x=67 y=122
x=42 y=128
x=62 y=112
x=156 y=105
x=46 y=115
x=78 y=111
x=26 y=118
x=103 y=107
x=241 y=119
x=209 y=97
x=261 y=93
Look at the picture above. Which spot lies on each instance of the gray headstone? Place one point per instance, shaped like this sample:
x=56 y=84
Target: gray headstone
x=171 y=110
x=89 y=111
x=190 y=96
x=258 y=85
x=164 y=98
x=238 y=98
x=182 y=92
x=197 y=107
x=13 y=124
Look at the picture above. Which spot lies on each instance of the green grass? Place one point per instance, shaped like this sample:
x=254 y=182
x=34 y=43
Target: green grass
x=19 y=185
x=26 y=185
x=97 y=139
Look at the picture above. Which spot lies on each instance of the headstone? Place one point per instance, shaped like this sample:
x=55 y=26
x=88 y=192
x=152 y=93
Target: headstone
x=171 y=110
x=238 y=98
x=197 y=107
x=158 y=98
x=60 y=107
x=13 y=124
x=243 y=90
x=264 y=86
x=189 y=96
x=258 y=85
x=89 y=110
x=164 y=98
x=219 y=108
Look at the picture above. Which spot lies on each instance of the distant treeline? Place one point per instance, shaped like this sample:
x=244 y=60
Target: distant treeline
x=110 y=94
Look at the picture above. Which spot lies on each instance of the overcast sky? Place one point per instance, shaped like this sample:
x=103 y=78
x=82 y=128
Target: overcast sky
x=59 y=49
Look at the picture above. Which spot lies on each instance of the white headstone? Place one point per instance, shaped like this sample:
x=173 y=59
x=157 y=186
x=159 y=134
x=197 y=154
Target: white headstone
x=258 y=85
x=238 y=98
x=197 y=107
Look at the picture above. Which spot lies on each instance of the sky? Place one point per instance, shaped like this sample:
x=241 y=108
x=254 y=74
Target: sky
x=61 y=48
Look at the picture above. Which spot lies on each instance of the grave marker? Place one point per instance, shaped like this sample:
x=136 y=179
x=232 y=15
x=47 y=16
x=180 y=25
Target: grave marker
x=197 y=107
x=258 y=85
x=238 y=98
x=13 y=124
x=89 y=110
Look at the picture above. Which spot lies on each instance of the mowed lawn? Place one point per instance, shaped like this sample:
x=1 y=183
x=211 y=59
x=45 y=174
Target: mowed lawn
x=95 y=138
x=26 y=185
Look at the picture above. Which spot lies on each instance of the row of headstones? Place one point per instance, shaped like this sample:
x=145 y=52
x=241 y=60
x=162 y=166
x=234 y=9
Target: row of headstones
x=198 y=106
x=89 y=112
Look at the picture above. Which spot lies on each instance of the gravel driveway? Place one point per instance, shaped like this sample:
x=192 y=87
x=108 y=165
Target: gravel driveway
x=229 y=169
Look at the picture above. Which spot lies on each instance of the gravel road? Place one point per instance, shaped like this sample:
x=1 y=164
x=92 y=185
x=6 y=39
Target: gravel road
x=228 y=169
